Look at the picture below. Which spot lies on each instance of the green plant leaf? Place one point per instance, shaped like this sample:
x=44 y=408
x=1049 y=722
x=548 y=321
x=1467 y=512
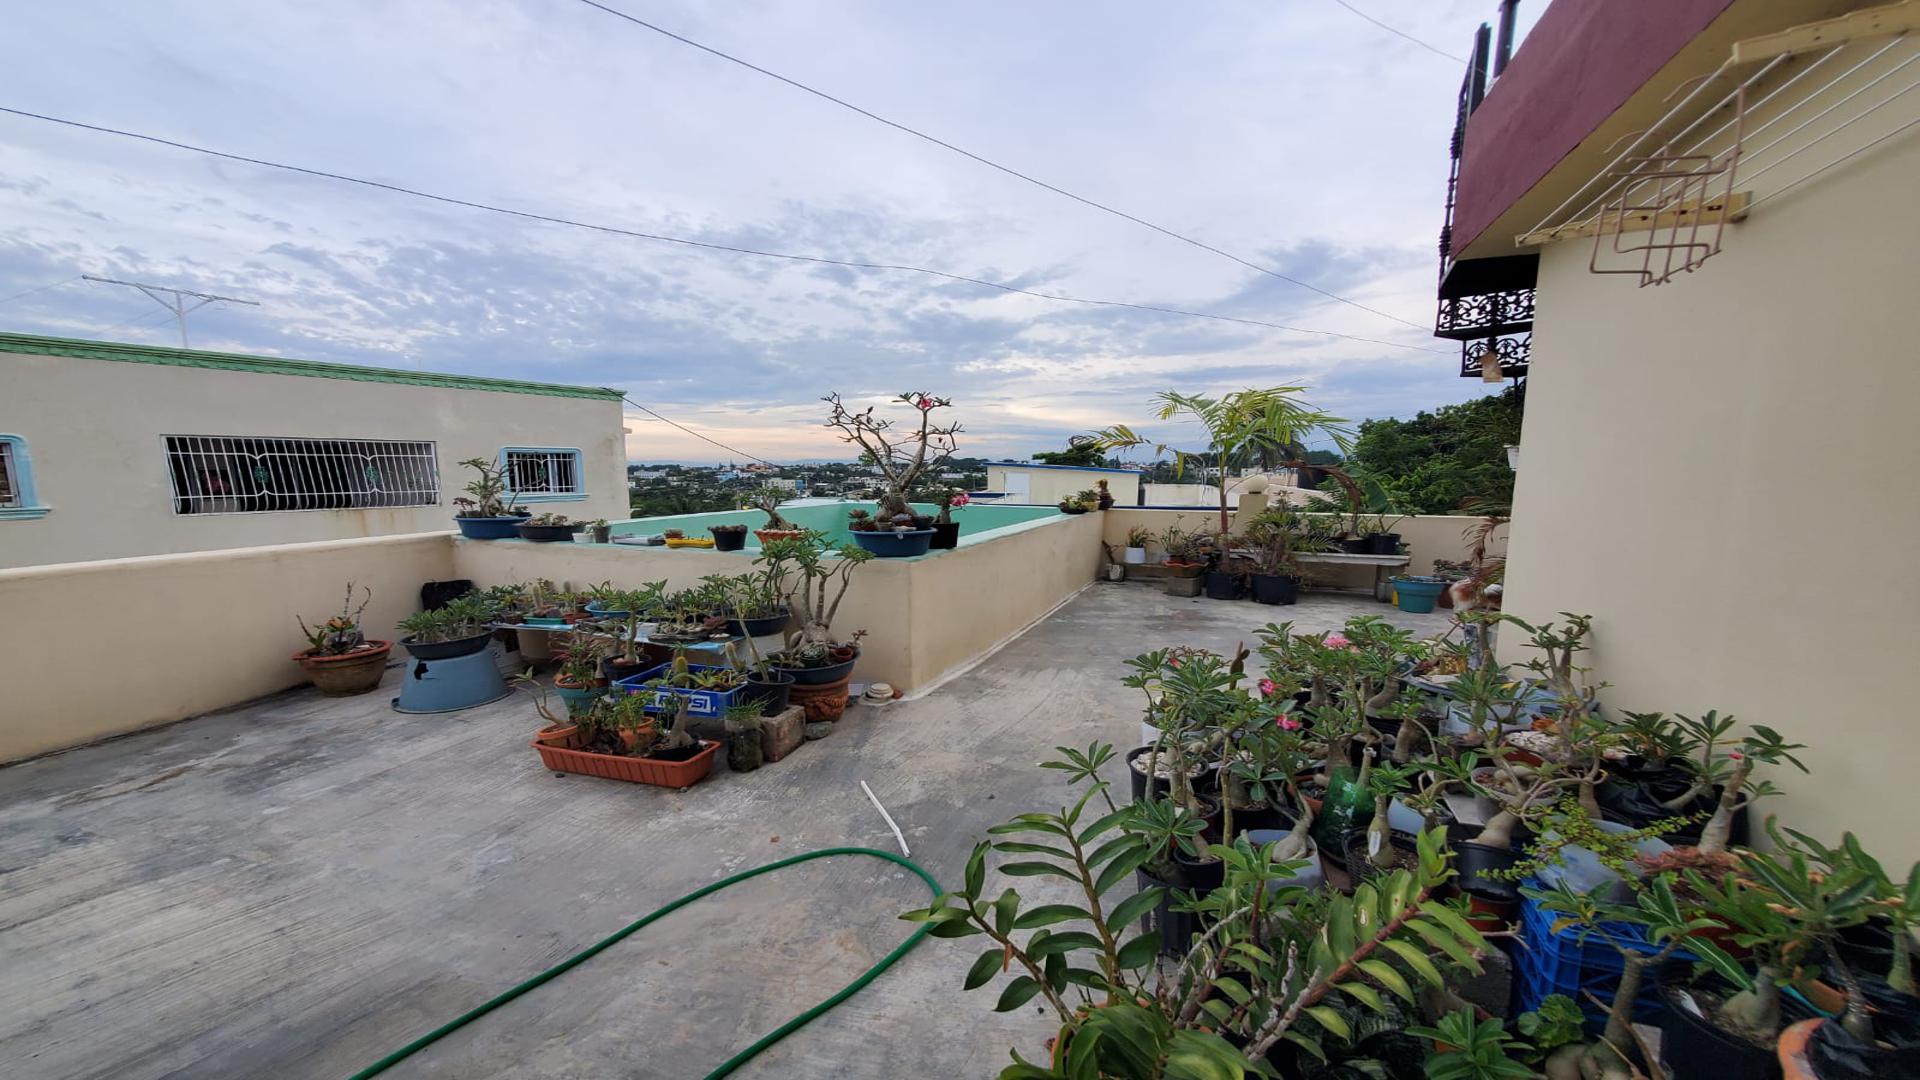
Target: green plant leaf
x=1035 y=869
x=976 y=875
x=1003 y=911
x=1048 y=914
x=1100 y=825
x=1061 y=943
x=1362 y=993
x=1111 y=848
x=1018 y=992
x=1417 y=960
x=1119 y=868
x=1384 y=974
x=1330 y=1019
x=1140 y=951
x=954 y=929
x=991 y=963
x=1021 y=847
x=1130 y=909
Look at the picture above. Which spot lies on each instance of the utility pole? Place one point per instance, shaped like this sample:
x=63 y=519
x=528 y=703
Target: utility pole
x=178 y=302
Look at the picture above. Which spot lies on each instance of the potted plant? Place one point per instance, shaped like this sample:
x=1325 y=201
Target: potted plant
x=744 y=750
x=767 y=500
x=1227 y=578
x=620 y=740
x=946 y=531
x=548 y=528
x=338 y=657
x=600 y=531
x=816 y=576
x=903 y=455
x=460 y=628
x=1137 y=540
x=1080 y=502
x=728 y=537
x=1102 y=497
x=559 y=730
x=490 y=513
x=900 y=537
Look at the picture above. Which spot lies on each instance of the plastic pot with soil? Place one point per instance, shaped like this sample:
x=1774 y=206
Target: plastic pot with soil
x=760 y=626
x=728 y=537
x=1200 y=778
x=837 y=667
x=1694 y=1045
x=946 y=536
x=548 y=532
x=1275 y=589
x=895 y=543
x=771 y=689
x=1403 y=854
x=1225 y=585
x=446 y=650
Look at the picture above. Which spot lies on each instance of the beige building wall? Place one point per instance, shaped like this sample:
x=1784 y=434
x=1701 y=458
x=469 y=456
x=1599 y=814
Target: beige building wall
x=102 y=648
x=1721 y=471
x=1046 y=485
x=1428 y=537
x=94 y=430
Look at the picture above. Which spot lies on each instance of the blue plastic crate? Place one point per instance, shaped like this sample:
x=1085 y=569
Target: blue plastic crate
x=1548 y=963
x=699 y=702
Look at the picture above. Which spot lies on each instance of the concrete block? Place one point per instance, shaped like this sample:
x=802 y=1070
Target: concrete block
x=781 y=734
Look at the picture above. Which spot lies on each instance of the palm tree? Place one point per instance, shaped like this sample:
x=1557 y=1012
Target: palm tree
x=1245 y=419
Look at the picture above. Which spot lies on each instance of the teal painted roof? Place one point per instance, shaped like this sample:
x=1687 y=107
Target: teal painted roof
x=272 y=365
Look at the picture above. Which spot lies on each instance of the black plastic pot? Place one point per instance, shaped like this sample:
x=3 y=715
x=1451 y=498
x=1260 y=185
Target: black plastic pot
x=446 y=650
x=820 y=676
x=1200 y=876
x=1177 y=928
x=725 y=539
x=1634 y=798
x=1224 y=586
x=1357 y=545
x=1205 y=782
x=945 y=536
x=1473 y=861
x=547 y=534
x=1256 y=818
x=761 y=627
x=1836 y=1055
x=1275 y=589
x=1695 y=1048
x=1383 y=544
x=771 y=691
x=616 y=668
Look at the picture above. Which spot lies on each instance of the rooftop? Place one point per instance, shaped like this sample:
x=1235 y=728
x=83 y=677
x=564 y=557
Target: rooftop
x=299 y=885
x=34 y=345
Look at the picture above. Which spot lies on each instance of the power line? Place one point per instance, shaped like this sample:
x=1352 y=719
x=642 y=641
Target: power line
x=991 y=164
x=1401 y=33
x=39 y=288
x=696 y=434
x=707 y=245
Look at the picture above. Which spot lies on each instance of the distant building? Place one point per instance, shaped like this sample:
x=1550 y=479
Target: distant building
x=1046 y=484
x=114 y=450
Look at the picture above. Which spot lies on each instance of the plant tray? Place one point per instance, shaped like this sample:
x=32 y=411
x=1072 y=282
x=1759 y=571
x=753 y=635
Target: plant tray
x=1550 y=963
x=699 y=702
x=679 y=775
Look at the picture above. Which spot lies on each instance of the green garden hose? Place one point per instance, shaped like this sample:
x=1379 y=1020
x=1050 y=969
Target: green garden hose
x=589 y=952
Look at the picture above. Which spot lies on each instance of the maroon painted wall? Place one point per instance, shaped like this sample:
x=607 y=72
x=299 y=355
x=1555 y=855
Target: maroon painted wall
x=1579 y=64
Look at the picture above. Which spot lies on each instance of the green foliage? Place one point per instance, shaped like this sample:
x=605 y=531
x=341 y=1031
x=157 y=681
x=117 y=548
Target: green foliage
x=1438 y=460
x=1480 y=1049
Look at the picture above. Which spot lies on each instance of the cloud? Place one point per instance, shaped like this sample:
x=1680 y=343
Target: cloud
x=1300 y=138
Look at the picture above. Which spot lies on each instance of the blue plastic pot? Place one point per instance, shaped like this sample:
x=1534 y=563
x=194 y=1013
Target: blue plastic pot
x=895 y=545
x=489 y=528
x=1417 y=594
x=594 y=609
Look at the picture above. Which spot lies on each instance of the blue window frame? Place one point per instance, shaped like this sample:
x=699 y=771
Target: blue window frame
x=544 y=473
x=18 y=500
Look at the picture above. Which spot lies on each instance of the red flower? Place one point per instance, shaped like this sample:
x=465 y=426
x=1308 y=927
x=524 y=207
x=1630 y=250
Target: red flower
x=1266 y=687
x=1287 y=722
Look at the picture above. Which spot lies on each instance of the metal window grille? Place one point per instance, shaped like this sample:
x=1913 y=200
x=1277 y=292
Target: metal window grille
x=543 y=472
x=9 y=489
x=236 y=474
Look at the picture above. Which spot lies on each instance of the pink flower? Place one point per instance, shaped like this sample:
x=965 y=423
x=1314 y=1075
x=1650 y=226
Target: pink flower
x=1338 y=641
x=960 y=499
x=1736 y=755
x=1266 y=687
x=1287 y=723
x=924 y=402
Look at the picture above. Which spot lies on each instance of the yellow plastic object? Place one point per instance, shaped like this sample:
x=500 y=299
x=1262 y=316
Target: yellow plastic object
x=689 y=542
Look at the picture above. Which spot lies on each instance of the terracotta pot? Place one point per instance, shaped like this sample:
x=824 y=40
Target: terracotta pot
x=1491 y=916
x=778 y=534
x=639 y=736
x=823 y=703
x=679 y=775
x=1794 y=1064
x=344 y=676
x=564 y=735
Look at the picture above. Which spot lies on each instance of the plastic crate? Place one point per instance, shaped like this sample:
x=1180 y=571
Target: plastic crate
x=699 y=702
x=1548 y=963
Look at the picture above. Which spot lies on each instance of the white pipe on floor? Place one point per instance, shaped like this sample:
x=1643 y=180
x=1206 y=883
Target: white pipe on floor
x=889 y=817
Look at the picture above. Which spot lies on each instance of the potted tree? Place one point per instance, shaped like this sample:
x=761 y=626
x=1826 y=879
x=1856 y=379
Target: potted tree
x=904 y=536
x=767 y=499
x=600 y=531
x=903 y=455
x=338 y=657
x=1080 y=502
x=728 y=537
x=490 y=513
x=816 y=579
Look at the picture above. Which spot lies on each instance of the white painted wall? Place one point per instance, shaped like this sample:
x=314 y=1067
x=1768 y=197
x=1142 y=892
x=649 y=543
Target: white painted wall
x=95 y=431
x=1721 y=471
x=1046 y=486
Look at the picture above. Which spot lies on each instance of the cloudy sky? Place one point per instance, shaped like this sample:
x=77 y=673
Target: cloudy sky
x=1290 y=132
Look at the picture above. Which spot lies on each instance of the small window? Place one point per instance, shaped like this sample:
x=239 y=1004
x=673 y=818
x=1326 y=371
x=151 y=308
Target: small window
x=248 y=474
x=17 y=499
x=542 y=473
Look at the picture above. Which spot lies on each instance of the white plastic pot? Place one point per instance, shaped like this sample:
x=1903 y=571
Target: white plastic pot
x=1136 y=556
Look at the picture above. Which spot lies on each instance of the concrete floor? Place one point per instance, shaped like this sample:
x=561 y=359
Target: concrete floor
x=294 y=887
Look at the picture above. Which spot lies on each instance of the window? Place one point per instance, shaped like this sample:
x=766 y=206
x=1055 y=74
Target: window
x=543 y=474
x=17 y=499
x=244 y=474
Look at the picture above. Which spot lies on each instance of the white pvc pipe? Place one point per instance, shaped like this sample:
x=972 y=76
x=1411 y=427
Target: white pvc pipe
x=889 y=817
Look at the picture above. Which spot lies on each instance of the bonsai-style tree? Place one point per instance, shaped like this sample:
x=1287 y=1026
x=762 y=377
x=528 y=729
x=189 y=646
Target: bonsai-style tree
x=1275 y=416
x=1732 y=773
x=947 y=499
x=902 y=455
x=767 y=500
x=487 y=490
x=816 y=573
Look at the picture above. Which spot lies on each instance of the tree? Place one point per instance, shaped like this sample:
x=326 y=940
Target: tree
x=1082 y=450
x=1439 y=460
x=902 y=455
x=1272 y=418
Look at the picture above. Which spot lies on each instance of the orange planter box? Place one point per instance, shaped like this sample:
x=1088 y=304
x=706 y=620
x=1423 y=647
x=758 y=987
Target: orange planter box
x=679 y=775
